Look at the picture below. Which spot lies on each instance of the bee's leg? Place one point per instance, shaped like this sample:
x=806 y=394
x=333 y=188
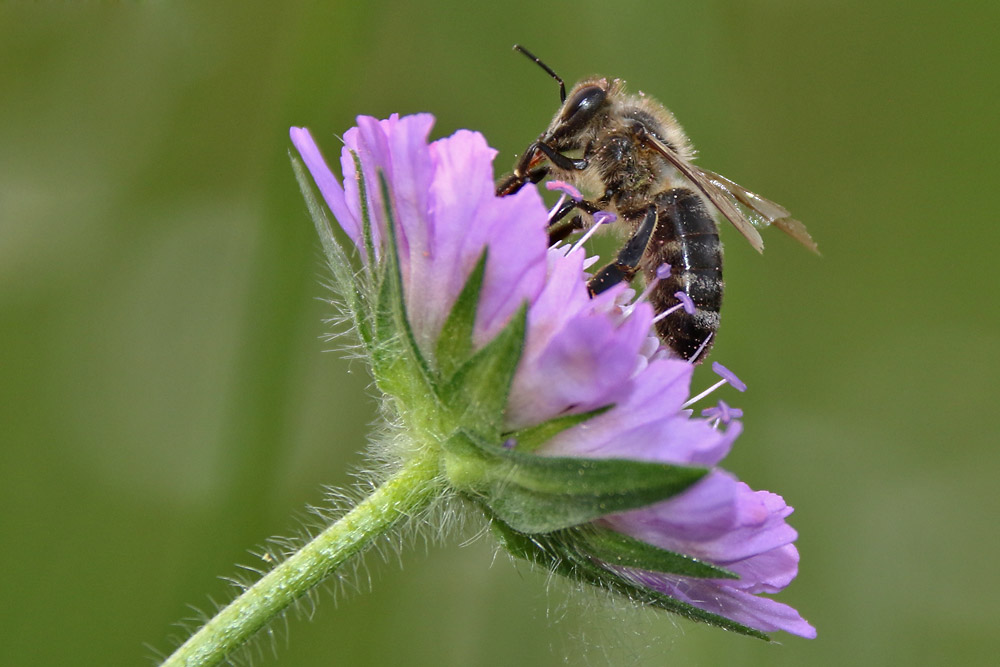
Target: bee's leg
x=515 y=181
x=582 y=204
x=559 y=230
x=624 y=268
x=523 y=173
x=560 y=160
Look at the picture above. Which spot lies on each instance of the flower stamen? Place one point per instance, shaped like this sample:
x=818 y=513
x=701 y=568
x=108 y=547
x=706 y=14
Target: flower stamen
x=600 y=218
x=668 y=311
x=728 y=377
x=701 y=348
x=662 y=272
x=686 y=302
x=557 y=206
x=722 y=413
x=565 y=188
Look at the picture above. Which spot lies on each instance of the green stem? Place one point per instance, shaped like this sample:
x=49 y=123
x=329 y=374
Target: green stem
x=407 y=492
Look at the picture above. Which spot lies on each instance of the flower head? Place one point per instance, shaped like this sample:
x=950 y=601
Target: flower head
x=557 y=412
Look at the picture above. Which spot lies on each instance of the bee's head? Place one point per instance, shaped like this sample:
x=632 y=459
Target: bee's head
x=578 y=112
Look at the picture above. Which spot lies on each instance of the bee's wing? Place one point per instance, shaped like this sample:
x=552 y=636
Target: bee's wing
x=743 y=208
x=764 y=211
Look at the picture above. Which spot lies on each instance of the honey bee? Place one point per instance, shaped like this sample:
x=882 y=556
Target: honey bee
x=632 y=154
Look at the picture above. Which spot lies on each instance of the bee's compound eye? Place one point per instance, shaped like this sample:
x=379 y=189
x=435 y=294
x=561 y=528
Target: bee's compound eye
x=582 y=106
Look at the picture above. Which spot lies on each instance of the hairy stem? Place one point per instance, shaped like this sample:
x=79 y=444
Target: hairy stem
x=407 y=492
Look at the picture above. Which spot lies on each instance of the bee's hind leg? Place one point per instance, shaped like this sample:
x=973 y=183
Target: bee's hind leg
x=626 y=264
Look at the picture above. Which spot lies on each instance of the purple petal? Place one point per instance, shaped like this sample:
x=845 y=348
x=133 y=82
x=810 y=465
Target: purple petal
x=327 y=183
x=683 y=523
x=754 y=611
x=443 y=202
x=465 y=217
x=758 y=527
x=577 y=356
x=693 y=523
x=722 y=521
x=647 y=424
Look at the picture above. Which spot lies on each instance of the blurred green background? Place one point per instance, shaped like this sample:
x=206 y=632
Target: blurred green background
x=168 y=401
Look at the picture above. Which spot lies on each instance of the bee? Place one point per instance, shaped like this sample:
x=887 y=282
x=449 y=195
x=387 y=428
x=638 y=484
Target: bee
x=632 y=154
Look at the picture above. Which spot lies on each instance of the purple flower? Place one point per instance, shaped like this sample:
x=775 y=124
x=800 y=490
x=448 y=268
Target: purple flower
x=579 y=354
x=443 y=201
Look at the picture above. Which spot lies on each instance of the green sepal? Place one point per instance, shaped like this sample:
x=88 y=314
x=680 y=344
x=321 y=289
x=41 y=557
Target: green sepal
x=366 y=218
x=340 y=266
x=454 y=345
x=531 y=438
x=540 y=494
x=476 y=393
x=561 y=556
x=398 y=364
x=623 y=550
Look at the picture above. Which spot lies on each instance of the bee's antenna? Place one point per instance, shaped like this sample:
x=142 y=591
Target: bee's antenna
x=562 y=86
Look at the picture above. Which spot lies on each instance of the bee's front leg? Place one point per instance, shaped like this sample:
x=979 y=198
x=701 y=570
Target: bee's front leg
x=559 y=230
x=560 y=160
x=513 y=182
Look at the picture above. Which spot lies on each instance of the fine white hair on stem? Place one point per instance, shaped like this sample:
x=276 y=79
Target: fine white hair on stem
x=432 y=525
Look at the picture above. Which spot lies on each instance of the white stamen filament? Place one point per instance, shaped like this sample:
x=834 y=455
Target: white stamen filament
x=667 y=312
x=649 y=289
x=701 y=348
x=583 y=239
x=704 y=394
x=642 y=297
x=552 y=211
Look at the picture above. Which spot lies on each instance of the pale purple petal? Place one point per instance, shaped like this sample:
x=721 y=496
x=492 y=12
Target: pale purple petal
x=722 y=521
x=372 y=150
x=690 y=523
x=466 y=218
x=757 y=612
x=446 y=213
x=686 y=522
x=577 y=357
x=396 y=148
x=329 y=188
x=759 y=526
x=769 y=572
x=647 y=424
